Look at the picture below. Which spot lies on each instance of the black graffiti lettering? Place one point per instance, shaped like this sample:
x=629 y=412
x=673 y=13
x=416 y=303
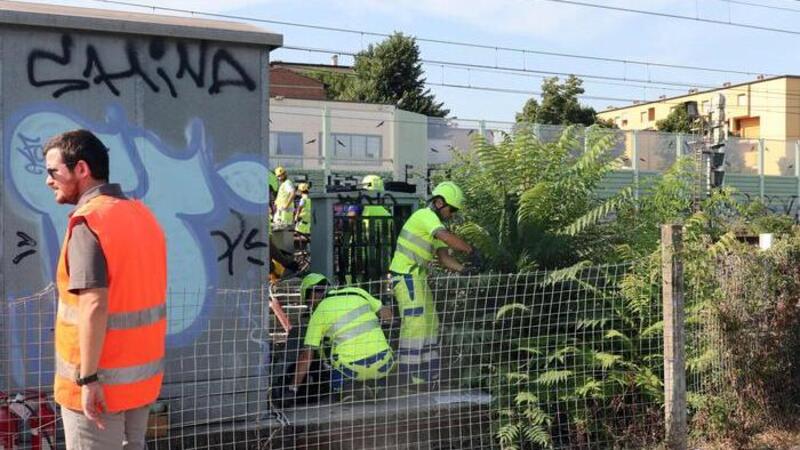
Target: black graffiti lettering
x=184 y=66
x=157 y=51
x=232 y=244
x=244 y=80
x=250 y=243
x=93 y=63
x=70 y=84
x=134 y=69
x=226 y=70
x=25 y=241
x=32 y=151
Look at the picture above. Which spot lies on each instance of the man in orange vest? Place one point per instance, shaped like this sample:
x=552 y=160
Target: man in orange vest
x=111 y=321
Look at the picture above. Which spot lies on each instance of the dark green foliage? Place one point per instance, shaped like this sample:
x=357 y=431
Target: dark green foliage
x=386 y=73
x=559 y=105
x=573 y=356
x=677 y=121
x=522 y=194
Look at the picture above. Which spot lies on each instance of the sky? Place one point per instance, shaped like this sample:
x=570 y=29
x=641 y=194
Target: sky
x=515 y=30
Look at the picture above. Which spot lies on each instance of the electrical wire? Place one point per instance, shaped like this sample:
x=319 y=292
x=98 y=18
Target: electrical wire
x=482 y=46
x=523 y=51
x=654 y=84
x=675 y=16
x=486 y=67
x=760 y=5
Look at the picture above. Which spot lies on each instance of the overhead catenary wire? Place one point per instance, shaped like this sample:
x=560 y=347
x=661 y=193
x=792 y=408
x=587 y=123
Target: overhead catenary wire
x=675 y=16
x=497 y=68
x=761 y=5
x=483 y=46
x=358 y=115
x=523 y=51
x=652 y=84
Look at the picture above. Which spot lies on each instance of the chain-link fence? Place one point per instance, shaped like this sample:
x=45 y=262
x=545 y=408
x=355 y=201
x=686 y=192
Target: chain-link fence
x=215 y=389
x=571 y=358
x=568 y=359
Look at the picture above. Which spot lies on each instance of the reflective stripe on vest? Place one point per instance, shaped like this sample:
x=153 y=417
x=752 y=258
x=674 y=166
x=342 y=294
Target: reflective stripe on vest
x=424 y=246
x=119 y=321
x=348 y=317
x=121 y=375
x=405 y=251
x=343 y=336
x=354 y=332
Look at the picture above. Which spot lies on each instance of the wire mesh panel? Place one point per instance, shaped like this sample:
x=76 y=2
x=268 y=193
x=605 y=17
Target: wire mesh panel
x=214 y=392
x=562 y=359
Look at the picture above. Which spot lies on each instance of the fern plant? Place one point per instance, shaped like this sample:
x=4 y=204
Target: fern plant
x=521 y=193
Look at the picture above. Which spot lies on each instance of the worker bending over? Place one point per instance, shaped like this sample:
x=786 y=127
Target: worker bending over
x=347 y=319
x=423 y=238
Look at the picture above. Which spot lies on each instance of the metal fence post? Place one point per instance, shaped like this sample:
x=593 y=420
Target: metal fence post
x=761 y=150
x=674 y=338
x=797 y=174
x=678 y=146
x=635 y=163
x=326 y=142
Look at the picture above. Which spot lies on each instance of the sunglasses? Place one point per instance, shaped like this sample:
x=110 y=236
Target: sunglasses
x=52 y=171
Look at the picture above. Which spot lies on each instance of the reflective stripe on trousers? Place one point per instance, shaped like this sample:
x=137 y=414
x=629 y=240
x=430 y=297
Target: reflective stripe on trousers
x=116 y=321
x=121 y=375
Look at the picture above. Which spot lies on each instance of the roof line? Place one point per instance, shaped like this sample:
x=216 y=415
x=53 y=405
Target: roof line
x=722 y=88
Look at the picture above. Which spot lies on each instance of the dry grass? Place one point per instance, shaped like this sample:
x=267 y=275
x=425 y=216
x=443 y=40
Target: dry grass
x=771 y=439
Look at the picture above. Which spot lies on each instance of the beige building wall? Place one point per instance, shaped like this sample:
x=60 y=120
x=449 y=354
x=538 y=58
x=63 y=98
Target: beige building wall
x=764 y=109
x=402 y=136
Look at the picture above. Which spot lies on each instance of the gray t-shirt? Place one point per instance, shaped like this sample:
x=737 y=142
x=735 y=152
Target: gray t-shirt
x=87 y=263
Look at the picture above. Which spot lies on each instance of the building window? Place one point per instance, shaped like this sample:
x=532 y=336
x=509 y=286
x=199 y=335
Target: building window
x=651 y=114
x=624 y=122
x=706 y=107
x=643 y=116
x=286 y=148
x=356 y=147
x=741 y=100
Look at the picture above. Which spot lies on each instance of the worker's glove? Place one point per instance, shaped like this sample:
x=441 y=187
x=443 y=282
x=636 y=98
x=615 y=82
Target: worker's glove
x=476 y=259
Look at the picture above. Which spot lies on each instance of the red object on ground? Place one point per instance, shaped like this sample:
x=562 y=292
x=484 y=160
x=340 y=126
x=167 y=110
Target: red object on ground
x=8 y=424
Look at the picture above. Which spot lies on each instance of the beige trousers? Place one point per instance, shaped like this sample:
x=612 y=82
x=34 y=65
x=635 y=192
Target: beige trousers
x=123 y=430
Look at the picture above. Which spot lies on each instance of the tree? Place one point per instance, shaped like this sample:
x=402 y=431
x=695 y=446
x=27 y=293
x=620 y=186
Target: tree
x=389 y=73
x=559 y=105
x=677 y=121
x=523 y=195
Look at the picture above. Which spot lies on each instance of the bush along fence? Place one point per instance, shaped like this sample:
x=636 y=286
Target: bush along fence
x=697 y=341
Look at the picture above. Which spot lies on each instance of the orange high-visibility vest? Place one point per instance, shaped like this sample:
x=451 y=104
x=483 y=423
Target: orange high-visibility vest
x=131 y=363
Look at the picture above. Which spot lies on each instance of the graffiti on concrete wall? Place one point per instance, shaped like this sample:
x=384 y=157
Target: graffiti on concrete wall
x=85 y=67
x=248 y=241
x=189 y=194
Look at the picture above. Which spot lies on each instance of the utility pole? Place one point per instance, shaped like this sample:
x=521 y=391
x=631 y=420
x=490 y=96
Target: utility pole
x=710 y=135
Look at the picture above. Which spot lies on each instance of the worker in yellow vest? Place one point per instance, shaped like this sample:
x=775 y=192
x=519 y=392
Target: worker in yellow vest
x=284 y=201
x=347 y=319
x=303 y=215
x=281 y=263
x=422 y=239
x=374 y=184
x=378 y=230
